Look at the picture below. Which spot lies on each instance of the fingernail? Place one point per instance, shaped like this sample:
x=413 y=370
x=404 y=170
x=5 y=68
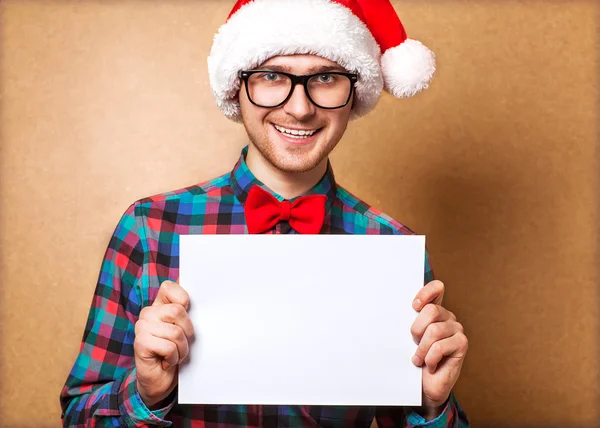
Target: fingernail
x=431 y=369
x=417 y=303
x=416 y=361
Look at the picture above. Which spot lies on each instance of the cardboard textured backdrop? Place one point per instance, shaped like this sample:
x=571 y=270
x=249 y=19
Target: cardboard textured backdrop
x=103 y=103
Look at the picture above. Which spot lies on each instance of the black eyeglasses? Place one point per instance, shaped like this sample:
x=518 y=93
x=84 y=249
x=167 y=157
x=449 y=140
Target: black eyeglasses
x=269 y=89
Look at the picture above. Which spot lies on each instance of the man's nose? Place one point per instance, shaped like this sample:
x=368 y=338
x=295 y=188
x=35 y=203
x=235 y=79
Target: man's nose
x=299 y=105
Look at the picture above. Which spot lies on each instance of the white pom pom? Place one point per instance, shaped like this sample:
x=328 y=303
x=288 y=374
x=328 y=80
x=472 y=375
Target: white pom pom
x=407 y=68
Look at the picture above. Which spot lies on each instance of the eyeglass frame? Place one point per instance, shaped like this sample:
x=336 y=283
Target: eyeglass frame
x=299 y=80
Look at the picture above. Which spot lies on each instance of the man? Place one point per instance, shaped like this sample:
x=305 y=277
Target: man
x=294 y=72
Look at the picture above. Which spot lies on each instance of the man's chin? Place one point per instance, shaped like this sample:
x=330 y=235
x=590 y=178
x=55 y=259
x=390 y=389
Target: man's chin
x=293 y=166
x=290 y=158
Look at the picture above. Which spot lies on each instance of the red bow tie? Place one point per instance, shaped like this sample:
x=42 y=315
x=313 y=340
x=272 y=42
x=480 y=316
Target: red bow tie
x=263 y=211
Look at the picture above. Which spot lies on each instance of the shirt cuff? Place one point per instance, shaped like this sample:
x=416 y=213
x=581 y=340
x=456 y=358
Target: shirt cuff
x=444 y=420
x=134 y=410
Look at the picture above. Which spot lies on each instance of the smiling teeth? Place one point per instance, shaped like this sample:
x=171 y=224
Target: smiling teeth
x=295 y=132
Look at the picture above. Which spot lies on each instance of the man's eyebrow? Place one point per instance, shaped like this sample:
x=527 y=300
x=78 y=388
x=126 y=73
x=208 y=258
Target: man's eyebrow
x=312 y=70
x=325 y=68
x=281 y=68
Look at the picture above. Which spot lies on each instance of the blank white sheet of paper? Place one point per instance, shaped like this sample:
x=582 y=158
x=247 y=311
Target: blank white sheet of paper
x=301 y=319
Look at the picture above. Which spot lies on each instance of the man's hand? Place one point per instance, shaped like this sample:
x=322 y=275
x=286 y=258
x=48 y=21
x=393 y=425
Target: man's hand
x=161 y=342
x=442 y=347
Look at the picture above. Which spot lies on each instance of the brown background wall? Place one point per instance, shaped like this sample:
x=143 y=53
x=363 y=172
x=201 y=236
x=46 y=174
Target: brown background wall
x=107 y=102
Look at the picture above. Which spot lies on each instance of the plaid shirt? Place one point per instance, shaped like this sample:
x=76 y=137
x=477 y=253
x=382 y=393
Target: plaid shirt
x=142 y=253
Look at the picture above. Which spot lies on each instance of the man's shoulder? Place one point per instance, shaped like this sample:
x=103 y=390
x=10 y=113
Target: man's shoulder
x=216 y=187
x=364 y=213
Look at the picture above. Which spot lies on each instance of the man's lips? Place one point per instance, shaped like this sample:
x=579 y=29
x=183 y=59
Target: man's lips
x=297 y=131
x=297 y=136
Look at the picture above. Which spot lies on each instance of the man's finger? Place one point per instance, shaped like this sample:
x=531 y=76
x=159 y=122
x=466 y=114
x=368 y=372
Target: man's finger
x=150 y=346
x=430 y=314
x=433 y=292
x=171 y=292
x=175 y=334
x=434 y=333
x=171 y=313
x=455 y=346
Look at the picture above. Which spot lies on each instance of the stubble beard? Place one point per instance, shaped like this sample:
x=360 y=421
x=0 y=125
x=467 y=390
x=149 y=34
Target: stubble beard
x=296 y=161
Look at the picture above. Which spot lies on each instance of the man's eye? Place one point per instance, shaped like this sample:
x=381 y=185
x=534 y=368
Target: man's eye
x=325 y=78
x=270 y=77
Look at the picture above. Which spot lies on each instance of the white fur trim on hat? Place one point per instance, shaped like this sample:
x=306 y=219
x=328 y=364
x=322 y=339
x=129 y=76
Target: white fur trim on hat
x=407 y=68
x=263 y=29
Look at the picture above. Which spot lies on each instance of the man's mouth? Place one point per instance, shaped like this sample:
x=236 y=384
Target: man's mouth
x=297 y=133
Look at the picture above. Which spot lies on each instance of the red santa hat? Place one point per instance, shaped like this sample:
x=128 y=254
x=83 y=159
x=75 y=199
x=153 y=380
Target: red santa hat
x=363 y=36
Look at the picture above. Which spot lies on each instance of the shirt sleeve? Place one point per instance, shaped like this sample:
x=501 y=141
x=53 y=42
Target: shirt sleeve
x=101 y=387
x=429 y=276
x=399 y=417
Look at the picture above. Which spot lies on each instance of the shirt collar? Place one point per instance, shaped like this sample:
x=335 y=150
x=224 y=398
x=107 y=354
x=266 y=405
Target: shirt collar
x=242 y=181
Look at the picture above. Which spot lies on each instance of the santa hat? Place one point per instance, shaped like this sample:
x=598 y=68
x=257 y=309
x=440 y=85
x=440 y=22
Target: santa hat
x=363 y=36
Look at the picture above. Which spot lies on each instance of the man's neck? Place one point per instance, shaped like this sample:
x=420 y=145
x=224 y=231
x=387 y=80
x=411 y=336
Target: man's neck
x=287 y=184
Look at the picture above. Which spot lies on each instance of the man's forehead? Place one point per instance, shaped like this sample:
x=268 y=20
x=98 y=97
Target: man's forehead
x=304 y=62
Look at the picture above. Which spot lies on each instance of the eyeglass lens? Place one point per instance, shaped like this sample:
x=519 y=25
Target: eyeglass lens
x=327 y=90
